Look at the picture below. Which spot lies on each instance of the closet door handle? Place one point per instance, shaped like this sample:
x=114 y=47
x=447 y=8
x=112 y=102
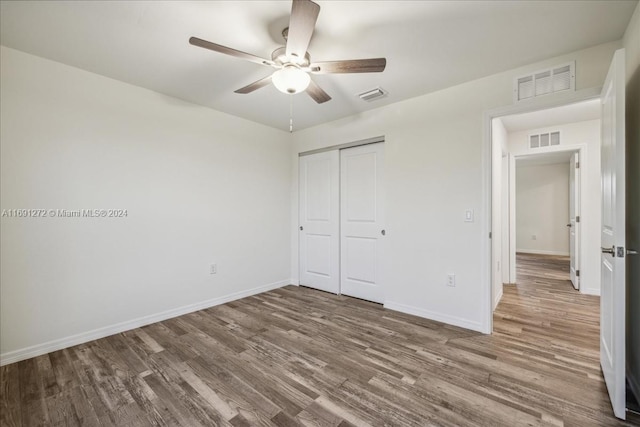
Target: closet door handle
x=384 y=233
x=301 y=228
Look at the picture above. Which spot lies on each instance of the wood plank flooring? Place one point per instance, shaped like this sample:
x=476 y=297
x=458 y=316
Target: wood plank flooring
x=296 y=356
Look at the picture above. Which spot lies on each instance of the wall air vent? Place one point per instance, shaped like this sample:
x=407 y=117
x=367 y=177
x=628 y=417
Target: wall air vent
x=545 y=82
x=372 y=95
x=546 y=139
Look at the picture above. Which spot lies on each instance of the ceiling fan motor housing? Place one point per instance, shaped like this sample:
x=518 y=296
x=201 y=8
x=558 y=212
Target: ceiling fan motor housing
x=279 y=57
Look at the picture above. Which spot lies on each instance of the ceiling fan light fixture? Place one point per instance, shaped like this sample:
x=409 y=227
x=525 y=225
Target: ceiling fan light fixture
x=291 y=79
x=292 y=61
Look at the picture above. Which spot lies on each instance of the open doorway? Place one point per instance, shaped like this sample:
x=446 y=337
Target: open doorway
x=547 y=219
x=546 y=194
x=530 y=316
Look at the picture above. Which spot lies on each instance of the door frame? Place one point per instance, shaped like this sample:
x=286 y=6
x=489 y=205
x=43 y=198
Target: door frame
x=582 y=151
x=575 y=225
x=536 y=104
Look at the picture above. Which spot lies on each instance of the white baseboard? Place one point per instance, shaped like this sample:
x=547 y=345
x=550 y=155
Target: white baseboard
x=59 y=344
x=432 y=315
x=589 y=291
x=541 y=252
x=498 y=297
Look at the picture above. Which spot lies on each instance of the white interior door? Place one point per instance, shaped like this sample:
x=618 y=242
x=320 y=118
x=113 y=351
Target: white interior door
x=319 y=178
x=574 y=221
x=362 y=221
x=612 y=300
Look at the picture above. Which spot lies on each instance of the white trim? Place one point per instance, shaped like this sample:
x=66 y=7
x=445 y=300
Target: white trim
x=545 y=102
x=368 y=141
x=541 y=252
x=557 y=99
x=583 y=153
x=432 y=315
x=496 y=301
x=512 y=221
x=589 y=291
x=486 y=249
x=81 y=338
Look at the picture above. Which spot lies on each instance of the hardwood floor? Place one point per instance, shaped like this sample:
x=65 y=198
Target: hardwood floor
x=295 y=356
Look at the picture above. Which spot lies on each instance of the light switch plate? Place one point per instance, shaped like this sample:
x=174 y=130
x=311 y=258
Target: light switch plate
x=468 y=215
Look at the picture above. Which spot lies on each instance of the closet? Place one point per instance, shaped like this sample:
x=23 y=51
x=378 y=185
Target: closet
x=341 y=217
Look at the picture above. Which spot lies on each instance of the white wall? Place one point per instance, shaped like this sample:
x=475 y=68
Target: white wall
x=436 y=168
x=542 y=209
x=632 y=46
x=199 y=186
x=499 y=147
x=585 y=135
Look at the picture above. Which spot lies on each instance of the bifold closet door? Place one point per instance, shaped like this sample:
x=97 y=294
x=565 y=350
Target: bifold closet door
x=320 y=221
x=362 y=221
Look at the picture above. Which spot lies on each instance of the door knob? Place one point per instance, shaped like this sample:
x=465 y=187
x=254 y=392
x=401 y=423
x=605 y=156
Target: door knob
x=632 y=252
x=383 y=232
x=568 y=225
x=610 y=250
x=301 y=228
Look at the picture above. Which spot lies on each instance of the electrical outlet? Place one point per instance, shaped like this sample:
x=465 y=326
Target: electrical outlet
x=451 y=279
x=213 y=269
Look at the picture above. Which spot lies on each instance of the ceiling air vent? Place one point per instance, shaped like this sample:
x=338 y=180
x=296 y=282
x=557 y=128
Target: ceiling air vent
x=547 y=139
x=545 y=82
x=372 y=95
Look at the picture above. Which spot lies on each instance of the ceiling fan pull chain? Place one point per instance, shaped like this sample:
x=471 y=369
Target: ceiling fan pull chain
x=290 y=113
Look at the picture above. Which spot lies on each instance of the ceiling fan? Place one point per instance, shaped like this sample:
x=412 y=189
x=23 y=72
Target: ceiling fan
x=292 y=61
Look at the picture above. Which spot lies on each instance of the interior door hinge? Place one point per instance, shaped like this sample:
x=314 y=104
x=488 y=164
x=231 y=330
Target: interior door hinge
x=489 y=234
x=578 y=218
x=577 y=165
x=577 y=273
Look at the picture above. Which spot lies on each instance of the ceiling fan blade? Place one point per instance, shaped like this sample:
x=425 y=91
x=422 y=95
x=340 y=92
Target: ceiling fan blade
x=228 y=51
x=304 y=14
x=317 y=93
x=373 y=65
x=255 y=85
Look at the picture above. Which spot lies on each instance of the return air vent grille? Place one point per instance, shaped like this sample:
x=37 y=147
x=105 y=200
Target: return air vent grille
x=372 y=95
x=544 y=82
x=547 y=139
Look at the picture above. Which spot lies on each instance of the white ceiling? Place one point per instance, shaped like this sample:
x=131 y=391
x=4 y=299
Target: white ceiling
x=572 y=113
x=429 y=45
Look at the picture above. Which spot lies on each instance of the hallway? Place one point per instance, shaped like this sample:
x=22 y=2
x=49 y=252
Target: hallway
x=544 y=320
